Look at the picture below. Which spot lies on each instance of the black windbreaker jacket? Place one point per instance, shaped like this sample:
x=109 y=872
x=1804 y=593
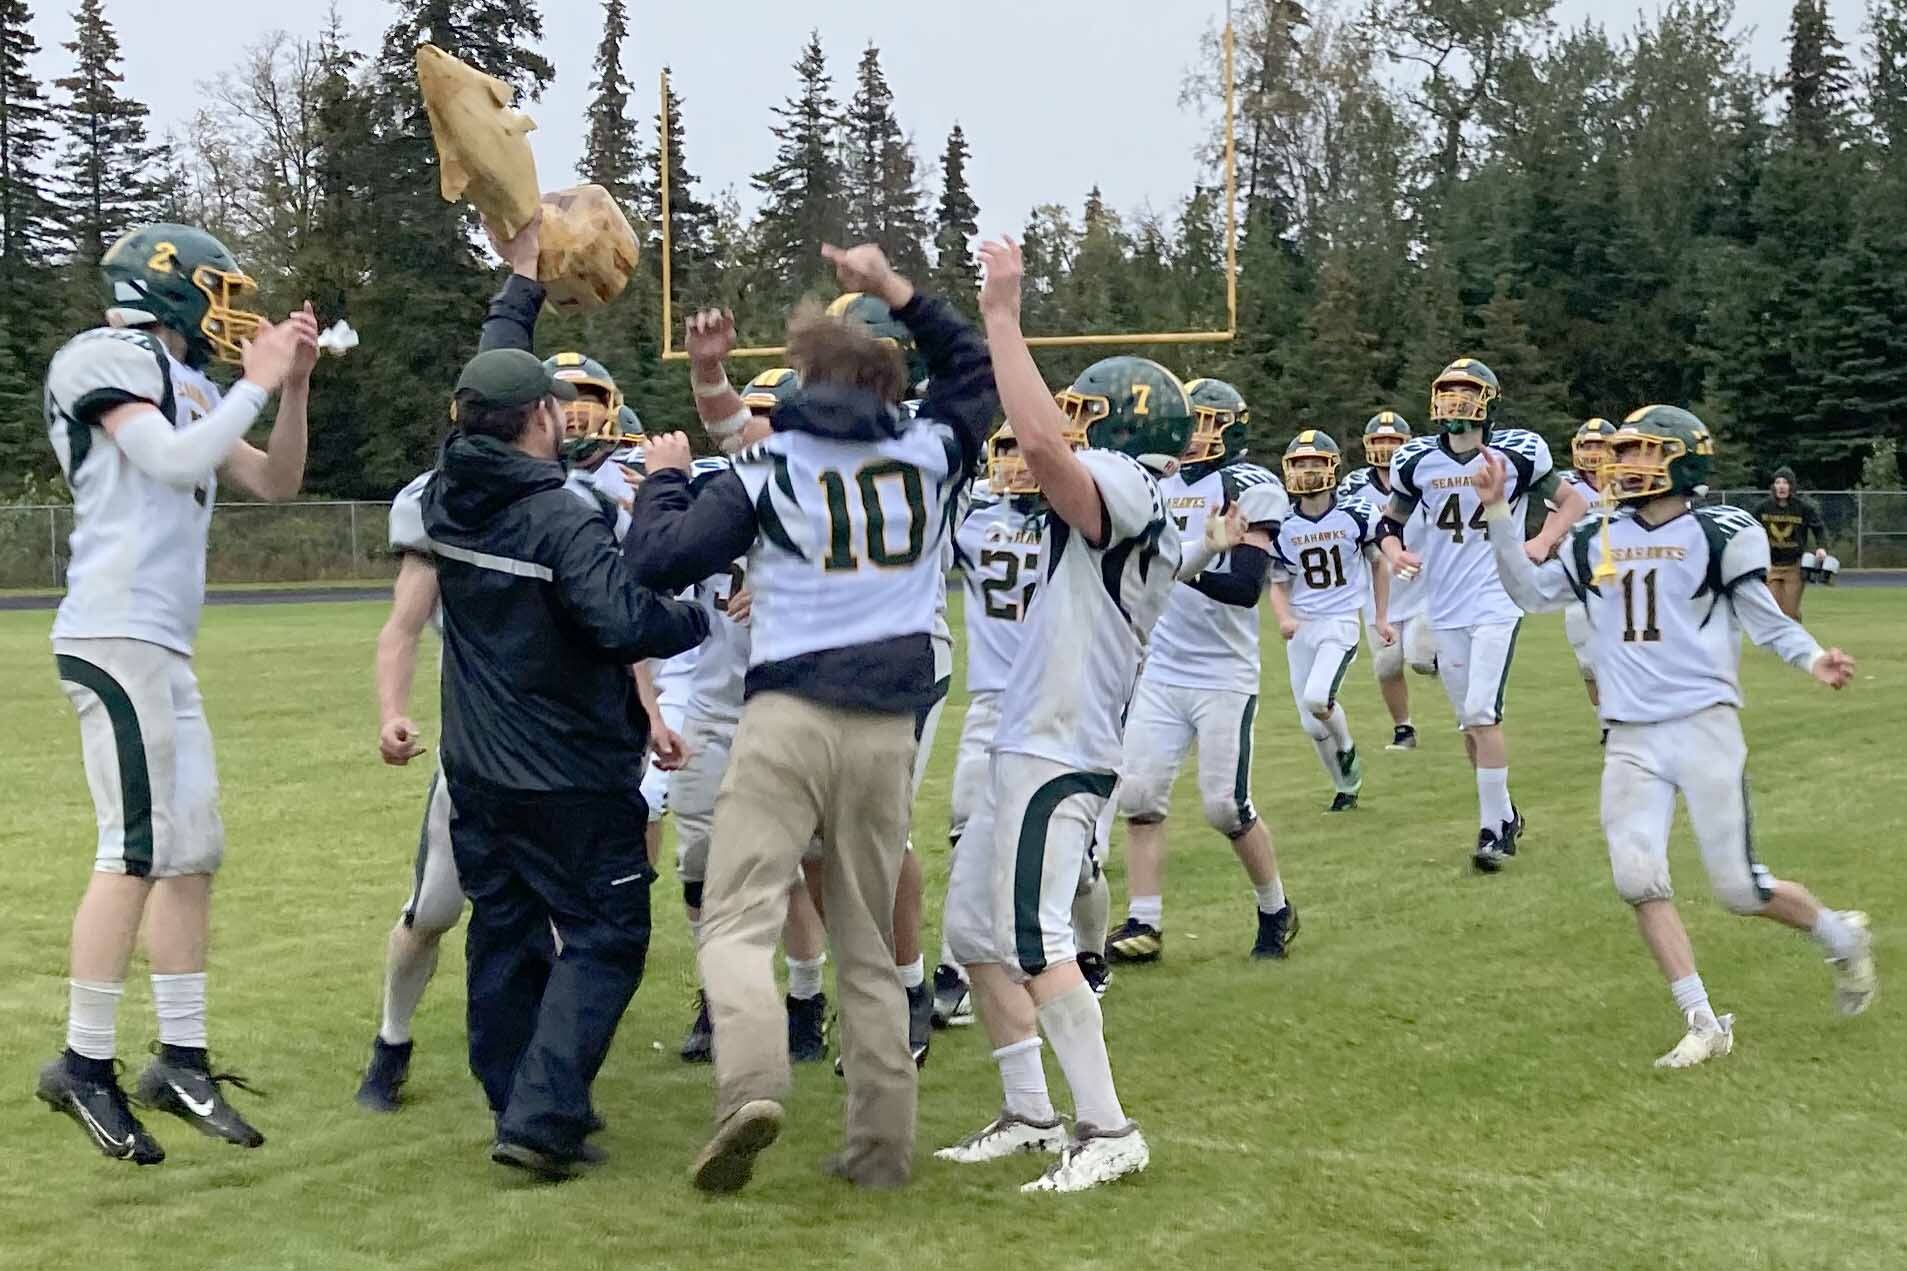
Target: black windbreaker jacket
x=541 y=622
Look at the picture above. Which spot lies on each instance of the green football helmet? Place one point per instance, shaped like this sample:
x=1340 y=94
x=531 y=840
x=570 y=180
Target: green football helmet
x=1658 y=450
x=1384 y=433
x=594 y=419
x=770 y=389
x=182 y=278
x=1216 y=406
x=872 y=312
x=1589 y=448
x=1464 y=397
x=1132 y=405
x=1311 y=463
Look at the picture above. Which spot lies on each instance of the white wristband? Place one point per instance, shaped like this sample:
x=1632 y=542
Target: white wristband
x=710 y=390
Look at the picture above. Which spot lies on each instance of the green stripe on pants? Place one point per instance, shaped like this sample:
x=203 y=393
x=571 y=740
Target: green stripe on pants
x=135 y=783
x=1241 y=780
x=1029 y=860
x=1337 y=681
x=1509 y=656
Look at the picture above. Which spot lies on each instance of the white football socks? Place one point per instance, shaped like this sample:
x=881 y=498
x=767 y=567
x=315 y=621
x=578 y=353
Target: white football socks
x=913 y=975
x=1023 y=1079
x=1691 y=998
x=1271 y=895
x=1340 y=727
x=1147 y=909
x=1493 y=798
x=1834 y=934
x=1077 y=1029
x=804 y=977
x=92 y=1017
x=179 y=1002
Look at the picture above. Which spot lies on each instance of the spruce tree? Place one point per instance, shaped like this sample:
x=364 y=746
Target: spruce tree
x=1818 y=81
x=25 y=135
x=109 y=178
x=802 y=206
x=878 y=171
x=612 y=156
x=956 y=223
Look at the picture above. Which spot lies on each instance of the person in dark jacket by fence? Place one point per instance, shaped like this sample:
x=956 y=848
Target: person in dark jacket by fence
x=544 y=748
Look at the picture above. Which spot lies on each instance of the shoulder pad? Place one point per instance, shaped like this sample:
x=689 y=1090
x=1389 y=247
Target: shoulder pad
x=1361 y=514
x=1578 y=553
x=1354 y=483
x=1737 y=545
x=1245 y=475
x=407 y=517
x=1518 y=441
x=106 y=367
x=707 y=466
x=1405 y=460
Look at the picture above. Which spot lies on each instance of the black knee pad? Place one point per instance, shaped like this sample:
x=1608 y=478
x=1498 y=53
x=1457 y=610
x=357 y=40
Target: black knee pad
x=692 y=894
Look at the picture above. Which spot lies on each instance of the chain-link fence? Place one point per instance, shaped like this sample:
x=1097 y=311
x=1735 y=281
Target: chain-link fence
x=322 y=542
x=249 y=543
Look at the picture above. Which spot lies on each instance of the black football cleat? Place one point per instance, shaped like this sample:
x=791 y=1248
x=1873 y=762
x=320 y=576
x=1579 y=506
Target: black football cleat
x=98 y=1106
x=1275 y=933
x=807 y=1028
x=543 y=1166
x=920 y=1022
x=1511 y=832
x=180 y=1081
x=699 y=1046
x=1489 y=856
x=1403 y=737
x=1098 y=974
x=1342 y=802
x=383 y=1085
x=1135 y=942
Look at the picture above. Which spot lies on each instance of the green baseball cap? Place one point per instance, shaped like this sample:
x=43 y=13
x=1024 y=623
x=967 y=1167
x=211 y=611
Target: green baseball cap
x=512 y=377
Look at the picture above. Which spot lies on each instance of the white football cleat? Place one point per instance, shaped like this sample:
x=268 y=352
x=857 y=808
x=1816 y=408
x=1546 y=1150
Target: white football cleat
x=1699 y=1045
x=1006 y=1135
x=1094 y=1157
x=1856 y=982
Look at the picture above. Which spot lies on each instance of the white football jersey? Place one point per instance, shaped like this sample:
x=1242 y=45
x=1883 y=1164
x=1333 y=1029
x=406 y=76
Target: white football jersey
x=1459 y=576
x=136 y=566
x=715 y=683
x=1201 y=642
x=999 y=564
x=1329 y=575
x=1574 y=480
x=1406 y=594
x=1664 y=636
x=1086 y=632
x=851 y=536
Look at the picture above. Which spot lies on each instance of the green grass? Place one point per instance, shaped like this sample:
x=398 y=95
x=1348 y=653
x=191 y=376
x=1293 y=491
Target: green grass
x=1450 y=1072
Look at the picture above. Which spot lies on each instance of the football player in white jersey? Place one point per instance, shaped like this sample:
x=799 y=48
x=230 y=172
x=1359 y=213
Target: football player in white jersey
x=1474 y=621
x=1414 y=645
x=1322 y=580
x=1200 y=684
x=998 y=544
x=143 y=437
x=714 y=709
x=1109 y=556
x=1587 y=451
x=1670 y=589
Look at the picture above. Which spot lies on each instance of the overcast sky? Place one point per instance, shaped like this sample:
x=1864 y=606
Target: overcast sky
x=1054 y=95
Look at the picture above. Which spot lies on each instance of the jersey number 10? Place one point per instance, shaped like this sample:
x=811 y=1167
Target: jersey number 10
x=867 y=483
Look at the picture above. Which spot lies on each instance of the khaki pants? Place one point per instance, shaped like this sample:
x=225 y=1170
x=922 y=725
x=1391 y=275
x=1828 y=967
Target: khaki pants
x=799 y=769
x=1786 y=582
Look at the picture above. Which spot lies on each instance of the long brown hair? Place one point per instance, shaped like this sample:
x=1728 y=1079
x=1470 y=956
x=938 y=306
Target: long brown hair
x=824 y=349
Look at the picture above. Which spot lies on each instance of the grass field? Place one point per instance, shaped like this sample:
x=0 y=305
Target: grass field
x=1451 y=1071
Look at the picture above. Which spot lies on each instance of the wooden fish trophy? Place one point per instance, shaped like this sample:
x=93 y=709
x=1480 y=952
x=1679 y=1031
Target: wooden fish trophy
x=588 y=248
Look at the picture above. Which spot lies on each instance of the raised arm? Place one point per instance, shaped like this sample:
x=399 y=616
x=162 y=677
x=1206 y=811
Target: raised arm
x=510 y=321
x=1535 y=588
x=708 y=337
x=1038 y=423
x=278 y=471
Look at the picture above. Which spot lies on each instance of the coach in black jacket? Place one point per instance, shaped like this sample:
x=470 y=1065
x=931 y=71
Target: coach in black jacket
x=544 y=749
